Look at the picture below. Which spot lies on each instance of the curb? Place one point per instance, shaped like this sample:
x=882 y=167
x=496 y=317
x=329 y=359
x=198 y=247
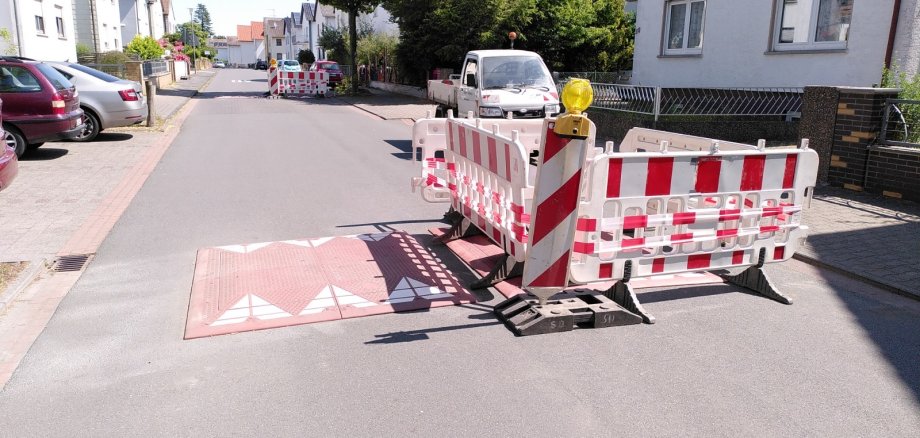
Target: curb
x=861 y=278
x=23 y=281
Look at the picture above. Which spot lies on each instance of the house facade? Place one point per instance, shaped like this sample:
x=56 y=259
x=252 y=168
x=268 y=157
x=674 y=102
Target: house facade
x=40 y=29
x=768 y=43
x=273 y=35
x=135 y=19
x=98 y=24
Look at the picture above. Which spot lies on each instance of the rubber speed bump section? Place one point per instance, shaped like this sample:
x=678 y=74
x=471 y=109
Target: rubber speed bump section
x=563 y=312
x=256 y=286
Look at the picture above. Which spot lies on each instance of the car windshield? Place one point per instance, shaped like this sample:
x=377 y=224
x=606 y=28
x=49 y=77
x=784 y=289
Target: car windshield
x=515 y=72
x=291 y=63
x=94 y=73
x=55 y=77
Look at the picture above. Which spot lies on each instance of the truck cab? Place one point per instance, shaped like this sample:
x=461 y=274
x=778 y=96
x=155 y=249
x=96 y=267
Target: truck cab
x=496 y=83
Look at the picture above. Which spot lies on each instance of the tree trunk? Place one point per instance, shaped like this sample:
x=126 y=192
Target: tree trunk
x=353 y=42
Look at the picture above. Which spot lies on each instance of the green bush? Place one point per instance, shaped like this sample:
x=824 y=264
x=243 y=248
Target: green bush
x=306 y=57
x=84 y=50
x=113 y=57
x=145 y=47
x=910 y=90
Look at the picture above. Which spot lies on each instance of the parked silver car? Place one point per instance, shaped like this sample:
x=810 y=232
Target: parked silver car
x=107 y=101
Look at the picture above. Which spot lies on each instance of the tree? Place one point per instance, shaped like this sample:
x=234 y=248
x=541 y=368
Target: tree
x=353 y=7
x=7 y=46
x=306 y=57
x=145 y=47
x=203 y=18
x=332 y=41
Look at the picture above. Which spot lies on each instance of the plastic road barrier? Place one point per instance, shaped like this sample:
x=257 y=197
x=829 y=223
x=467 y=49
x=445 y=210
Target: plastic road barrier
x=298 y=83
x=568 y=213
x=274 y=84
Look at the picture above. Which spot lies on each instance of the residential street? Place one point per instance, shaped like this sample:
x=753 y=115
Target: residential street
x=841 y=361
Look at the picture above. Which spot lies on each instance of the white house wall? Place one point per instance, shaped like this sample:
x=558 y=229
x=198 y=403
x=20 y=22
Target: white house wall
x=49 y=45
x=135 y=20
x=6 y=22
x=107 y=22
x=736 y=42
x=906 y=56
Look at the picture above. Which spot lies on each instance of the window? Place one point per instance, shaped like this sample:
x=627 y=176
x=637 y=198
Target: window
x=15 y=79
x=277 y=41
x=812 y=24
x=40 y=24
x=684 y=27
x=279 y=55
x=59 y=20
x=469 y=73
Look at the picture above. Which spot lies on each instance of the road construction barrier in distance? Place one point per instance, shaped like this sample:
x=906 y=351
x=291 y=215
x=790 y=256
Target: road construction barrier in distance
x=298 y=83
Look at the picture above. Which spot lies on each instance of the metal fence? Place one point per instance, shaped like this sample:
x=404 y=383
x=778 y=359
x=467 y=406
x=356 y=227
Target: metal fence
x=901 y=123
x=155 y=68
x=658 y=101
x=604 y=77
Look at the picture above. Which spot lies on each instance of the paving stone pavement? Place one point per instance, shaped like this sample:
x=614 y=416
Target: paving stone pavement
x=170 y=99
x=865 y=235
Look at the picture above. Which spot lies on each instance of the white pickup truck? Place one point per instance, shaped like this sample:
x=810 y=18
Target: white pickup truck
x=496 y=83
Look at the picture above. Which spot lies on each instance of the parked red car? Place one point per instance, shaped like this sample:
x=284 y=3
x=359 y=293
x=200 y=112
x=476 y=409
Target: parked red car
x=39 y=104
x=9 y=167
x=330 y=67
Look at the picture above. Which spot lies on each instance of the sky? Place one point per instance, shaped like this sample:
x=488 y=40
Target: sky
x=226 y=14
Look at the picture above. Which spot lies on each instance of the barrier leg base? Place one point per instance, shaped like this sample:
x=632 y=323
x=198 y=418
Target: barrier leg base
x=507 y=267
x=755 y=279
x=623 y=294
x=461 y=228
x=524 y=316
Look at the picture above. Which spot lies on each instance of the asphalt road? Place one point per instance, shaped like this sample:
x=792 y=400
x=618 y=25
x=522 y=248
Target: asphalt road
x=842 y=361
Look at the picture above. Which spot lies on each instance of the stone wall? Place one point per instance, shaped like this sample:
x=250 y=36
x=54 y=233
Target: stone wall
x=843 y=125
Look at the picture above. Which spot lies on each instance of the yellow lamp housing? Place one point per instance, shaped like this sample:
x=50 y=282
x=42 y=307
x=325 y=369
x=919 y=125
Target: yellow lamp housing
x=577 y=96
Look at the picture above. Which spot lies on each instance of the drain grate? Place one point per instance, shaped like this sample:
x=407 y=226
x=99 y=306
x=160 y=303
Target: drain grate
x=70 y=263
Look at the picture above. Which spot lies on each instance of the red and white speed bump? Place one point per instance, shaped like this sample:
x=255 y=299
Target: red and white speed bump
x=480 y=254
x=275 y=284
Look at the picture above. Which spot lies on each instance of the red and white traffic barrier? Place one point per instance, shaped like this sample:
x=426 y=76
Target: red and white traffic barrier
x=274 y=82
x=297 y=83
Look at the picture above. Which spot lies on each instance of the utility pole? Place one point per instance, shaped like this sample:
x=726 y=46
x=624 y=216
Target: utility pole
x=190 y=31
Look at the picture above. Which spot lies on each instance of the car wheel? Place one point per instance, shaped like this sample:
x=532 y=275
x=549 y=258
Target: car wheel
x=90 y=127
x=14 y=139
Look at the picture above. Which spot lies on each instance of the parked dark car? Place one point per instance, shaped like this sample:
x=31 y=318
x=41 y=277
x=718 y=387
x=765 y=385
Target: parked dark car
x=261 y=65
x=9 y=166
x=330 y=67
x=39 y=104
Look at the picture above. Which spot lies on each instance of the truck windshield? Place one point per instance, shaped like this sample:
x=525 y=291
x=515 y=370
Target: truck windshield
x=515 y=72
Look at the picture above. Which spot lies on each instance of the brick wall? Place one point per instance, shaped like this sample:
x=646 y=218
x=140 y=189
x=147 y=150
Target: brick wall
x=613 y=125
x=843 y=125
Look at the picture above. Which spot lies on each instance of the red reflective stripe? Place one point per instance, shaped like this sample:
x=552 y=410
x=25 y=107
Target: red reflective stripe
x=462 y=134
x=789 y=173
x=633 y=243
x=477 y=150
x=480 y=188
x=451 y=166
x=555 y=275
x=684 y=218
x=697 y=261
x=658 y=181
x=752 y=172
x=769 y=229
x=585 y=224
x=737 y=257
x=614 y=172
x=496 y=197
x=583 y=247
x=605 y=270
x=707 y=174
x=493 y=155
x=556 y=208
x=727 y=233
x=553 y=145
x=520 y=233
x=729 y=215
x=779 y=252
x=683 y=237
x=657 y=266
x=772 y=211
x=450 y=137
x=452 y=187
x=497 y=236
x=630 y=222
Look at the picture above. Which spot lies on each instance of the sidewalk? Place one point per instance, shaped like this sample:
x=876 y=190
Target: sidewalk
x=170 y=99
x=865 y=236
x=62 y=184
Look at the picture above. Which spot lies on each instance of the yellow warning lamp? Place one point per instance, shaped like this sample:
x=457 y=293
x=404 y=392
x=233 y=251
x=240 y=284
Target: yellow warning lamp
x=274 y=62
x=577 y=96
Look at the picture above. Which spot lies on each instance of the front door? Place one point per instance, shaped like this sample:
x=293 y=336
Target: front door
x=468 y=94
